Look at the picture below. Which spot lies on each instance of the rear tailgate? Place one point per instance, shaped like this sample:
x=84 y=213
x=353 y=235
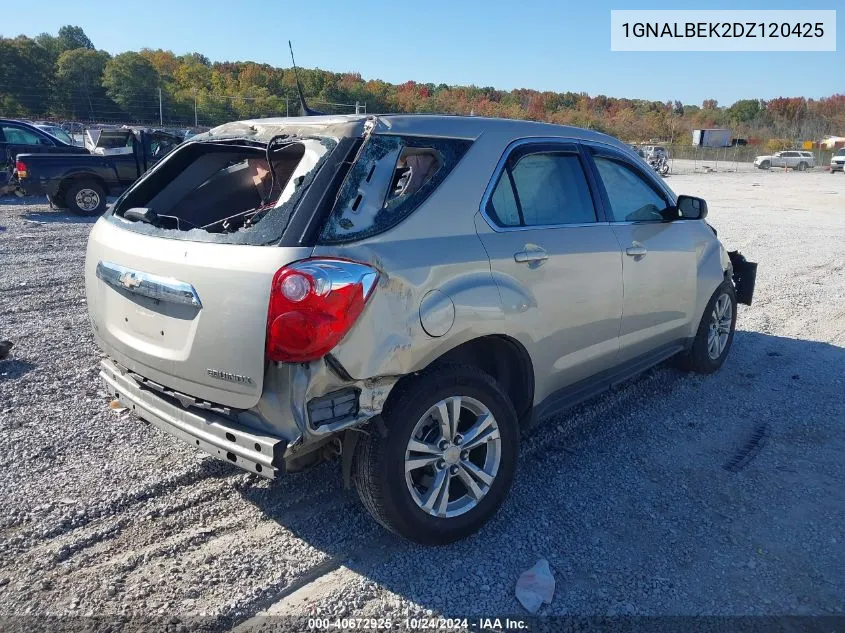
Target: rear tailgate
x=191 y=316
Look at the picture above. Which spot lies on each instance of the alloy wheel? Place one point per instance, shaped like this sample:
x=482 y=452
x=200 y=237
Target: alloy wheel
x=720 y=326
x=453 y=456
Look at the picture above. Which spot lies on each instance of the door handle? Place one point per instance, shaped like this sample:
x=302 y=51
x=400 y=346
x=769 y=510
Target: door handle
x=637 y=250
x=538 y=255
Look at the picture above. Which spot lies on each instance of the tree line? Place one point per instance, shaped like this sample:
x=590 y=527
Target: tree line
x=64 y=76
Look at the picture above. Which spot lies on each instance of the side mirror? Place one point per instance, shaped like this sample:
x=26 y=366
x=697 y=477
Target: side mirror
x=692 y=208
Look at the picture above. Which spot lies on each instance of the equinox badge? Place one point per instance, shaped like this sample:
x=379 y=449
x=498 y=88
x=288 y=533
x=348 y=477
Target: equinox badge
x=229 y=376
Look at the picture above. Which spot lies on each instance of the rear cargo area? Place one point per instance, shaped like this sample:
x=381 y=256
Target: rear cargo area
x=178 y=275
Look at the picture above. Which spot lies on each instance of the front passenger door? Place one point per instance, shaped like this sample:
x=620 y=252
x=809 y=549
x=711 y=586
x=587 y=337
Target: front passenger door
x=660 y=262
x=558 y=267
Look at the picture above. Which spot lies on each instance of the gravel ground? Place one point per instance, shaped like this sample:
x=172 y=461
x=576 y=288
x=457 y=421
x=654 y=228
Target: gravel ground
x=627 y=496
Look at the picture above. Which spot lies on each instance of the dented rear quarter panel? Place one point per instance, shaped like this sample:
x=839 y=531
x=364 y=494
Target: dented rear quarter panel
x=435 y=248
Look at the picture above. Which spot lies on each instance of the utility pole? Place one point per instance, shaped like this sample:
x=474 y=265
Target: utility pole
x=160 y=109
x=195 y=108
x=287 y=108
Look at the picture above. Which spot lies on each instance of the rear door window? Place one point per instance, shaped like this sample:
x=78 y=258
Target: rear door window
x=542 y=189
x=391 y=177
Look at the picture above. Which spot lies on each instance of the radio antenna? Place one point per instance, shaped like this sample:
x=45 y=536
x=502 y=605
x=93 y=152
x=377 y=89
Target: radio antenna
x=306 y=111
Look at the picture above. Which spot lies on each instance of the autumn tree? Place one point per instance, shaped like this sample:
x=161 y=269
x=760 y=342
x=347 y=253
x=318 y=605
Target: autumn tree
x=132 y=82
x=79 y=77
x=62 y=75
x=72 y=37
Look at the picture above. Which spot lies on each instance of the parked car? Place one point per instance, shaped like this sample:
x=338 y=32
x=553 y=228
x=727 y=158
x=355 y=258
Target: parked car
x=792 y=159
x=352 y=297
x=837 y=161
x=811 y=158
x=81 y=182
x=57 y=132
x=18 y=137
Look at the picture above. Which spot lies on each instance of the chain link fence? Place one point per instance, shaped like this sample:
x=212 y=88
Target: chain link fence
x=691 y=159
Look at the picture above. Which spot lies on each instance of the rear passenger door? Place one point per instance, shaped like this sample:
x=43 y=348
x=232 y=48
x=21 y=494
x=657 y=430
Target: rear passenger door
x=660 y=260
x=557 y=263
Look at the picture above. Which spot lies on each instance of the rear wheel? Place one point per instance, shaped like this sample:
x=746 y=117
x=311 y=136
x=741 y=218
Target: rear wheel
x=802 y=166
x=715 y=333
x=448 y=457
x=86 y=197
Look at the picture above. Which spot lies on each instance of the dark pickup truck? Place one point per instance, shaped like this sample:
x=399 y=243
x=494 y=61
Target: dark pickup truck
x=20 y=137
x=81 y=182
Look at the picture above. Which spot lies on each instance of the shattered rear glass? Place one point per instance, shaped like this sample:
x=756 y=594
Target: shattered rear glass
x=391 y=177
x=267 y=220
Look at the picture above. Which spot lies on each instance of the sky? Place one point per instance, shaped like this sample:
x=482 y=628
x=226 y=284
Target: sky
x=552 y=45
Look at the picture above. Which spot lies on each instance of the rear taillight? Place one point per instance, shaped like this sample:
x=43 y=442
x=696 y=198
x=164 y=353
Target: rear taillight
x=20 y=168
x=313 y=304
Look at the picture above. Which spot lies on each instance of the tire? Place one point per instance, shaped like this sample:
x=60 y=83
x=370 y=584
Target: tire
x=664 y=169
x=699 y=357
x=765 y=164
x=802 y=166
x=86 y=197
x=379 y=468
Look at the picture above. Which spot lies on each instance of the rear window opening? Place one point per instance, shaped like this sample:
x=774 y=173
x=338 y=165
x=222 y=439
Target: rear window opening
x=391 y=177
x=225 y=191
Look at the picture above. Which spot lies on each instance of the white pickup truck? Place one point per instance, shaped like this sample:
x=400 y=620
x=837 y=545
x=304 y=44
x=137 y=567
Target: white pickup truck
x=791 y=159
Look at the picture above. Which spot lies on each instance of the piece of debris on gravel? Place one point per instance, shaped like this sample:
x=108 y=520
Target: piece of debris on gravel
x=535 y=586
x=626 y=496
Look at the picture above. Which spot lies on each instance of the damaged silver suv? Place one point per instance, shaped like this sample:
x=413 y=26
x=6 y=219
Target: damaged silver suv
x=404 y=293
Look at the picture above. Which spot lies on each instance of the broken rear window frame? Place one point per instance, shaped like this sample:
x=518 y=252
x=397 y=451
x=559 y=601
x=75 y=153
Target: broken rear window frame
x=269 y=230
x=391 y=212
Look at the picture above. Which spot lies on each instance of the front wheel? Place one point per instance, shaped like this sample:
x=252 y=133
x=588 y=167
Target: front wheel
x=447 y=459
x=765 y=164
x=715 y=333
x=86 y=197
x=802 y=166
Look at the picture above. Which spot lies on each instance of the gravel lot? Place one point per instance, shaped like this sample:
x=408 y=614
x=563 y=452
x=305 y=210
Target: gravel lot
x=627 y=496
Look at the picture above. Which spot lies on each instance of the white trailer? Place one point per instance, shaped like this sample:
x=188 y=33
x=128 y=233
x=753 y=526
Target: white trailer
x=712 y=137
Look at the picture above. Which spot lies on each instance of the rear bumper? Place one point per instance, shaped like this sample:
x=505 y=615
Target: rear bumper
x=33 y=187
x=251 y=450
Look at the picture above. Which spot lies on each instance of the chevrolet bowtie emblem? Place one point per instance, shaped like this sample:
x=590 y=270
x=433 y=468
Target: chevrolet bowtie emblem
x=129 y=280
